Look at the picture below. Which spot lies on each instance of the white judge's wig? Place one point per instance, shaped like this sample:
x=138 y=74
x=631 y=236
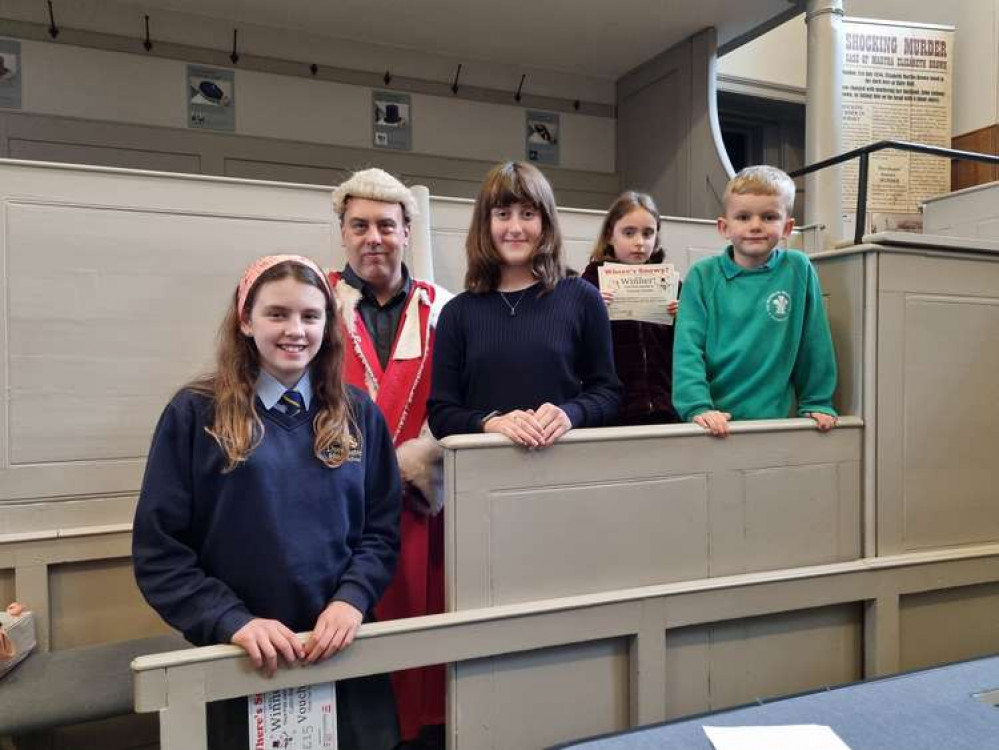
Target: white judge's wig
x=376 y=185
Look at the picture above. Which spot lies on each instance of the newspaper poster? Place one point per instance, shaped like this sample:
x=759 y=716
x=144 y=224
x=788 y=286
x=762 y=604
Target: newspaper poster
x=897 y=85
x=641 y=292
x=302 y=718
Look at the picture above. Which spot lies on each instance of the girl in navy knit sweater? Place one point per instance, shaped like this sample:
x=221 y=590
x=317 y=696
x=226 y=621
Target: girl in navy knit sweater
x=524 y=351
x=270 y=503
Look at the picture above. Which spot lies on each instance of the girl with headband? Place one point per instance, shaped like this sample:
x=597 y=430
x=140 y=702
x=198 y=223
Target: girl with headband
x=270 y=503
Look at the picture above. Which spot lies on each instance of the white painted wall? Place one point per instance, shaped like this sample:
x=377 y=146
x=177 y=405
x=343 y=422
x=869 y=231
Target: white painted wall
x=133 y=89
x=125 y=18
x=779 y=57
x=140 y=89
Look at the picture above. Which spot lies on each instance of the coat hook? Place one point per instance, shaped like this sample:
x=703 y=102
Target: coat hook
x=454 y=83
x=53 y=29
x=520 y=86
x=387 y=78
x=313 y=68
x=576 y=105
x=148 y=43
x=235 y=53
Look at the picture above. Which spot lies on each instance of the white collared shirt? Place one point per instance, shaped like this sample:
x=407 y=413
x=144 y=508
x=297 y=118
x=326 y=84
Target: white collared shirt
x=270 y=390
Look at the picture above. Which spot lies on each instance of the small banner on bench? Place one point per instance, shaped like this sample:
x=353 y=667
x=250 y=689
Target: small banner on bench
x=17 y=636
x=302 y=718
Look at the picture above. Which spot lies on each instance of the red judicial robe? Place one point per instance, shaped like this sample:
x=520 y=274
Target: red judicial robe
x=401 y=391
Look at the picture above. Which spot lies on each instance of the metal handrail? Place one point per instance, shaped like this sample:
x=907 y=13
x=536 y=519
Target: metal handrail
x=864 y=153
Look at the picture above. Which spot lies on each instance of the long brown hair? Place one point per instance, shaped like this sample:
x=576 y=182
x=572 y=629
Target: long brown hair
x=627 y=202
x=506 y=184
x=236 y=426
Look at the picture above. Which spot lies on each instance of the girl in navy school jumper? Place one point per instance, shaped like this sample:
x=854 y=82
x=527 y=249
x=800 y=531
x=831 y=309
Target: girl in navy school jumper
x=270 y=503
x=524 y=351
x=643 y=351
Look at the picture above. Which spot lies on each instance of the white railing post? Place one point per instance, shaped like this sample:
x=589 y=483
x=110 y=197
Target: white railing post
x=183 y=724
x=823 y=121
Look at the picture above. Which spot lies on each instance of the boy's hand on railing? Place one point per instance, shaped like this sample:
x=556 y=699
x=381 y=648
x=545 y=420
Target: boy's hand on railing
x=264 y=639
x=334 y=631
x=824 y=422
x=554 y=422
x=715 y=422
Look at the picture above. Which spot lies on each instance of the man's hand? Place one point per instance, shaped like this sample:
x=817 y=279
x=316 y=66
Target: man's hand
x=264 y=639
x=824 y=422
x=715 y=422
x=334 y=631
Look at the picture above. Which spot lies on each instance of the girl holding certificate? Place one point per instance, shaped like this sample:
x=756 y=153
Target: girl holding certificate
x=643 y=351
x=524 y=351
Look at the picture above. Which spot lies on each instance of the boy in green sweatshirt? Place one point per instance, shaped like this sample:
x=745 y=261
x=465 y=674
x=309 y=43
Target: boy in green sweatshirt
x=752 y=332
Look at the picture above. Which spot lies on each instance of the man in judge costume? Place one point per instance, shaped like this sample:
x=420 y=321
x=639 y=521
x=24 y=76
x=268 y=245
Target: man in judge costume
x=389 y=320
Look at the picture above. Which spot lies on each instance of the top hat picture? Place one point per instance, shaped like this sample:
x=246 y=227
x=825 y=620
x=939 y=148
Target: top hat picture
x=392 y=114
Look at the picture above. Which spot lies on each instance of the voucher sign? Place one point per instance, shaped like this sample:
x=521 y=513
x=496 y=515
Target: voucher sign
x=302 y=718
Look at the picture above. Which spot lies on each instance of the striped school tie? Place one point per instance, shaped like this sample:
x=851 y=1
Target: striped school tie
x=293 y=403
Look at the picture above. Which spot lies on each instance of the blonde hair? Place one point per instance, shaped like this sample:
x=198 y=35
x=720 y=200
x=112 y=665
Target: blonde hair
x=507 y=184
x=627 y=202
x=236 y=426
x=762 y=180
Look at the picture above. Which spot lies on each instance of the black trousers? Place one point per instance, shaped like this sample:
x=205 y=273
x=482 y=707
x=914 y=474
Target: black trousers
x=366 y=718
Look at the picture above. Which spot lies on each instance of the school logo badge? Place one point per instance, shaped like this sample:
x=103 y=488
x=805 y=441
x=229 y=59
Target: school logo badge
x=779 y=305
x=354 y=451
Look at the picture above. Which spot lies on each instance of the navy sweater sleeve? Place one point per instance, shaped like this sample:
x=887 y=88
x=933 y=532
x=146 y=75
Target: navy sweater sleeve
x=598 y=402
x=374 y=556
x=167 y=568
x=448 y=413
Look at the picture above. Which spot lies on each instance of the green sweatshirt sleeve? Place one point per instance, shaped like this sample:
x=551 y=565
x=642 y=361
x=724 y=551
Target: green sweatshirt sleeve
x=691 y=395
x=814 y=373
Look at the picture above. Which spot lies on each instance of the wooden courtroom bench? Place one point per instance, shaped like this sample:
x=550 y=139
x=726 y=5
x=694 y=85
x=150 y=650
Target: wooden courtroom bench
x=74 y=685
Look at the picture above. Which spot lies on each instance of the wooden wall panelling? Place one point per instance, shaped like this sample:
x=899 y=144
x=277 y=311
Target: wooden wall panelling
x=969 y=173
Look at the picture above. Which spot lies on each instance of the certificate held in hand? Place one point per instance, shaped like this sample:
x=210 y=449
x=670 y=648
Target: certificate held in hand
x=640 y=292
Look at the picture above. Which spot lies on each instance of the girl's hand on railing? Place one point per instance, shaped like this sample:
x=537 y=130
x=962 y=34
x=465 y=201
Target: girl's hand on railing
x=264 y=639
x=334 y=631
x=522 y=427
x=554 y=422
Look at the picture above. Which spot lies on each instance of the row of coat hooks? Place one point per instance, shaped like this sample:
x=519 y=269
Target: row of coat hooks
x=147 y=43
